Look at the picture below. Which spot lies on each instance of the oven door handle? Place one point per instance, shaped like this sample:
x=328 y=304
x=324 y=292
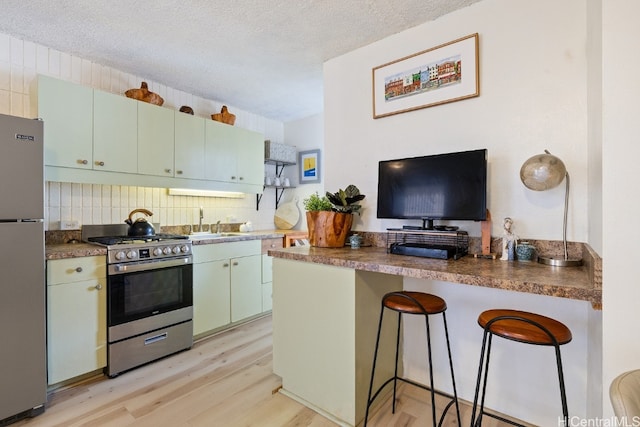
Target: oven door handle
x=132 y=267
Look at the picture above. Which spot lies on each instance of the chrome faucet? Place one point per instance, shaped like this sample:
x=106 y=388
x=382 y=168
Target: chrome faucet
x=201 y=217
x=218 y=227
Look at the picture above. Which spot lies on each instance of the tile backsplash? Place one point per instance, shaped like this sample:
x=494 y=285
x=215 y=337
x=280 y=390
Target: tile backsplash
x=111 y=204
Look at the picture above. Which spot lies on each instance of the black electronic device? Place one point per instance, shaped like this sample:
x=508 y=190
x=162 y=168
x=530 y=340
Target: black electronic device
x=424 y=250
x=450 y=186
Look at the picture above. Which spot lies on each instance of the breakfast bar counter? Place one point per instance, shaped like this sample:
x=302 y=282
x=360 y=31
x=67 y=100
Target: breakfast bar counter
x=581 y=283
x=326 y=305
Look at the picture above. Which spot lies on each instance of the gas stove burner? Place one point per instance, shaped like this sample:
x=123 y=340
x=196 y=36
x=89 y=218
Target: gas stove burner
x=123 y=240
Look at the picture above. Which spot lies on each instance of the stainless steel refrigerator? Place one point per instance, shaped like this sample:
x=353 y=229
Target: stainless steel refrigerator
x=23 y=362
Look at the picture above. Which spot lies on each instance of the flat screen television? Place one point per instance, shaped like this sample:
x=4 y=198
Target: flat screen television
x=450 y=186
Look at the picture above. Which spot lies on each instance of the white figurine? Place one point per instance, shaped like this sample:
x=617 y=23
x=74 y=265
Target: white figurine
x=509 y=241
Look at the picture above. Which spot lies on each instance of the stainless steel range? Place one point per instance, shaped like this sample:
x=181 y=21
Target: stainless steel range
x=149 y=295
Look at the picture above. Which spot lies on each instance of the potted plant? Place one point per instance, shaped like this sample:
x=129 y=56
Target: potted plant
x=329 y=217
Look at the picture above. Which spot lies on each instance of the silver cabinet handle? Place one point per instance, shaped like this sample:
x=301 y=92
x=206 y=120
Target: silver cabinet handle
x=233 y=177
x=82 y=161
x=98 y=163
x=79 y=269
x=179 y=172
x=235 y=263
x=98 y=287
x=226 y=264
x=241 y=178
x=167 y=170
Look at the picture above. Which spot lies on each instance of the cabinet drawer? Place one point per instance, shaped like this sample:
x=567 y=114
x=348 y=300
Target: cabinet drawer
x=75 y=269
x=217 y=251
x=276 y=243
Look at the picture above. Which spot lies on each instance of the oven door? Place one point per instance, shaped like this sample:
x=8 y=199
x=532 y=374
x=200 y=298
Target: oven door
x=139 y=290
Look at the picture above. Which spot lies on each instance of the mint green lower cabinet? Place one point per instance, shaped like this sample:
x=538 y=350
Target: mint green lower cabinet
x=76 y=317
x=246 y=287
x=227 y=284
x=211 y=296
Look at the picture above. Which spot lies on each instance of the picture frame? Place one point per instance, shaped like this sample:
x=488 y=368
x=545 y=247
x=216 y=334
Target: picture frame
x=439 y=75
x=309 y=167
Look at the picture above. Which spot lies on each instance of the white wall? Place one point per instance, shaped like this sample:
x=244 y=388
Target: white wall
x=533 y=96
x=305 y=134
x=620 y=204
x=21 y=60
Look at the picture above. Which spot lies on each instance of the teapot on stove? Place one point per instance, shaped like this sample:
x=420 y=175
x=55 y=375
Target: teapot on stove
x=140 y=227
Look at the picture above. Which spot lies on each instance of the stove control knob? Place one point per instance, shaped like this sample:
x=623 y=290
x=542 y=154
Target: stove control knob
x=132 y=254
x=167 y=251
x=120 y=255
x=176 y=250
x=184 y=249
x=157 y=251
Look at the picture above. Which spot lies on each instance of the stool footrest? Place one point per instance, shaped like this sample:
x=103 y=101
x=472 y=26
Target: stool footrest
x=499 y=418
x=422 y=386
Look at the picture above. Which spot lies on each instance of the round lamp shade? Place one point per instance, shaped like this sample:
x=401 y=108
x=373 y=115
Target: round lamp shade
x=542 y=172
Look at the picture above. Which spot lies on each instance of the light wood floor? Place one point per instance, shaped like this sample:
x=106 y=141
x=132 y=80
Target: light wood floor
x=225 y=380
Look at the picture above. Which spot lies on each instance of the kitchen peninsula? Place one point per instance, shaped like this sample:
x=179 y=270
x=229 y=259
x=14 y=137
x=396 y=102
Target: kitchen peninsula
x=326 y=306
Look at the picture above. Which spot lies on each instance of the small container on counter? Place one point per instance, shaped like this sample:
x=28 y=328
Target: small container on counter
x=355 y=241
x=525 y=251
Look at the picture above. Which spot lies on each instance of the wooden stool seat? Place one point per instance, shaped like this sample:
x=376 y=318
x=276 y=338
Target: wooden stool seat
x=414 y=303
x=515 y=326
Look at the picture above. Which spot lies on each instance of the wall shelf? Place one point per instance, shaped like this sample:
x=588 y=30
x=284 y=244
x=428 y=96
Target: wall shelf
x=279 y=189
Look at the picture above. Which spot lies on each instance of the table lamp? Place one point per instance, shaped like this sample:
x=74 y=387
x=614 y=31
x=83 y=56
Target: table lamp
x=544 y=172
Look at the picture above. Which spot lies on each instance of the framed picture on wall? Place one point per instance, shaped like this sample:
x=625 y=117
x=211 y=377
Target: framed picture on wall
x=309 y=167
x=435 y=76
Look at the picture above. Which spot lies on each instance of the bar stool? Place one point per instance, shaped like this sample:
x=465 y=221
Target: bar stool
x=524 y=327
x=418 y=303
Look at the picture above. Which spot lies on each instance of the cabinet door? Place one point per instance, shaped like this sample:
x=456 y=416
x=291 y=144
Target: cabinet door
x=246 y=287
x=250 y=155
x=155 y=140
x=211 y=296
x=67 y=111
x=76 y=329
x=220 y=152
x=115 y=133
x=189 y=146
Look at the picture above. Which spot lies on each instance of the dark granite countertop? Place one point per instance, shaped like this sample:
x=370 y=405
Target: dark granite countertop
x=530 y=277
x=73 y=250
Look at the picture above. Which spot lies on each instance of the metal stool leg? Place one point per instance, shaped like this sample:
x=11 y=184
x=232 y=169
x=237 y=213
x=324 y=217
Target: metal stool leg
x=373 y=367
x=563 y=393
x=430 y=360
x=483 y=366
x=453 y=379
x=395 y=370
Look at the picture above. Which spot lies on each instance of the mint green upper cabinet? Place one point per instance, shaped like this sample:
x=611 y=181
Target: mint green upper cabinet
x=115 y=136
x=155 y=140
x=220 y=152
x=233 y=154
x=250 y=155
x=189 y=146
x=67 y=111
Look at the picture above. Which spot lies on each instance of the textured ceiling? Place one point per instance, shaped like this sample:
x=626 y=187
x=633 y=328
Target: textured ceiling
x=261 y=56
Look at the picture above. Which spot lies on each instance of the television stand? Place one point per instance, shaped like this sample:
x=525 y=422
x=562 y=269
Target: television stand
x=427 y=243
x=427 y=225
